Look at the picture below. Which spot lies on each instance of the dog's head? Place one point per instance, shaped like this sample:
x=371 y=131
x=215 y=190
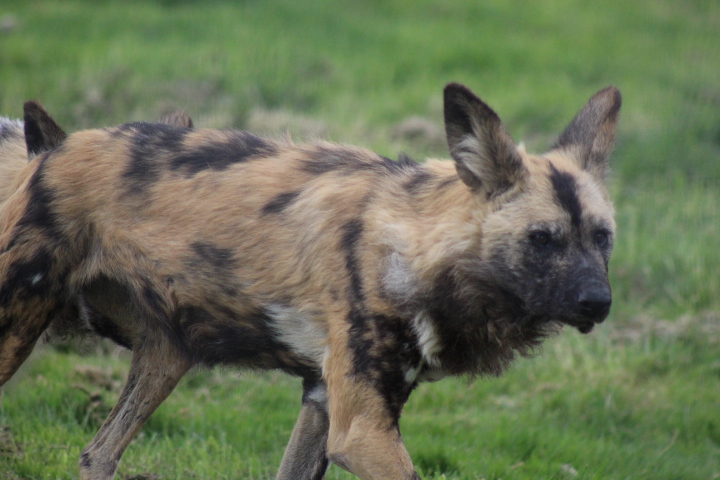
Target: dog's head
x=549 y=228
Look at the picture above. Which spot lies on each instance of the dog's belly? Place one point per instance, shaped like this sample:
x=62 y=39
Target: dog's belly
x=274 y=336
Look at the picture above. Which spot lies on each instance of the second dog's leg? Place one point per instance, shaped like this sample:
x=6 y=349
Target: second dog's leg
x=306 y=455
x=157 y=366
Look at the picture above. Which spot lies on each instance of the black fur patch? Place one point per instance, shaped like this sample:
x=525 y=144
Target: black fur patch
x=149 y=142
x=280 y=202
x=7 y=326
x=240 y=147
x=346 y=162
x=326 y=160
x=34 y=139
x=482 y=323
x=321 y=470
x=456 y=112
x=403 y=164
x=447 y=182
x=222 y=338
x=449 y=315
x=351 y=234
x=42 y=133
x=106 y=328
x=153 y=299
x=565 y=188
x=219 y=258
x=38 y=213
x=216 y=340
x=417 y=181
x=383 y=348
x=357 y=316
x=216 y=264
x=28 y=279
x=9 y=130
x=108 y=306
x=405 y=161
x=85 y=460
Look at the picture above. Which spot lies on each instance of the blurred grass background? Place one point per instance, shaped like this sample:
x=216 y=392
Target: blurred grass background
x=638 y=399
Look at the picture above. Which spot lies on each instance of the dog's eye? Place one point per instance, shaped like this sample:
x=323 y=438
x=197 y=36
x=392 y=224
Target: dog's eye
x=540 y=238
x=601 y=238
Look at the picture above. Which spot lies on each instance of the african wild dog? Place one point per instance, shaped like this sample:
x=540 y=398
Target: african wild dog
x=361 y=275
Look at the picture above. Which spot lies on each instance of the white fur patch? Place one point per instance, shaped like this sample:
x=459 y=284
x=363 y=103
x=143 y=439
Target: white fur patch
x=293 y=328
x=428 y=340
x=318 y=395
x=473 y=153
x=401 y=284
x=399 y=281
x=411 y=375
x=430 y=368
x=8 y=124
x=476 y=155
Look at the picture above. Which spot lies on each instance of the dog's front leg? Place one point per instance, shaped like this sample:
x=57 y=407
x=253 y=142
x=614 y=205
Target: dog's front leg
x=157 y=366
x=364 y=436
x=306 y=455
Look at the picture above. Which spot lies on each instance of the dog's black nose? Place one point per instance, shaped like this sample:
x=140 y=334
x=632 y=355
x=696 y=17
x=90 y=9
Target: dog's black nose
x=595 y=301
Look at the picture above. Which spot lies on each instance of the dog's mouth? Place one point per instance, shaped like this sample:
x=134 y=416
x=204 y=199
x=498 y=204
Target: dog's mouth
x=585 y=328
x=584 y=325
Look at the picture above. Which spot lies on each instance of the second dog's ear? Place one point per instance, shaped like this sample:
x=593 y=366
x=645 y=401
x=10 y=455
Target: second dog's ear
x=177 y=119
x=42 y=133
x=486 y=158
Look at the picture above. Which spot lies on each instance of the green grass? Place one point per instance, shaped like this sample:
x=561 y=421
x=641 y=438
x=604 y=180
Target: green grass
x=667 y=248
x=638 y=399
x=613 y=405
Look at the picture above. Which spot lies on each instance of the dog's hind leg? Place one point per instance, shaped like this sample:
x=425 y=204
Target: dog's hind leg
x=306 y=455
x=157 y=366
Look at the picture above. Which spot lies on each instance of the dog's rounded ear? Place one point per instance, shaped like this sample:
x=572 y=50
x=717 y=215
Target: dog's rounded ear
x=486 y=158
x=591 y=134
x=42 y=133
